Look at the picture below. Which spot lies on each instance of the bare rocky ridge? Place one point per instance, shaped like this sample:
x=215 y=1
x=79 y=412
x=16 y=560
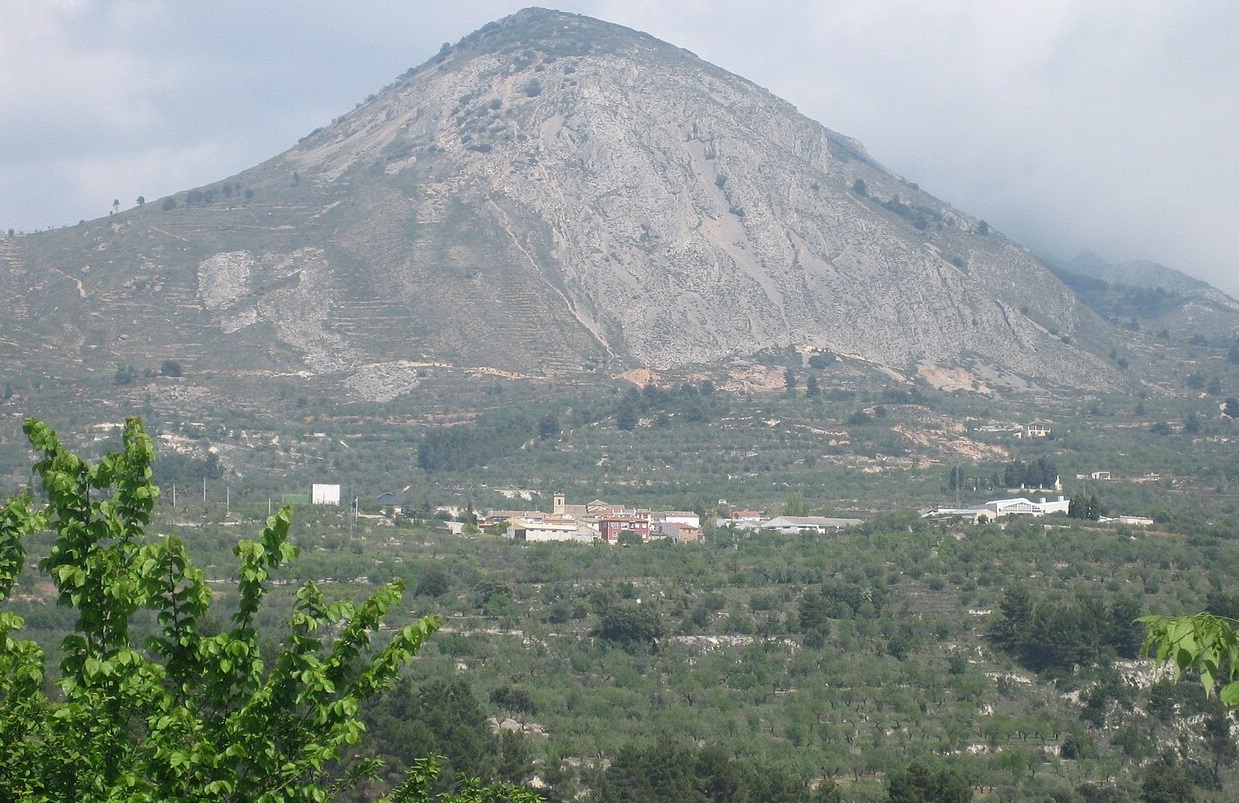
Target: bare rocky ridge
x=679 y=214
x=550 y=195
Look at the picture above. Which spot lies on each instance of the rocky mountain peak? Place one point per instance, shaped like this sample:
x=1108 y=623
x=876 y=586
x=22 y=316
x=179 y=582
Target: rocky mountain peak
x=554 y=193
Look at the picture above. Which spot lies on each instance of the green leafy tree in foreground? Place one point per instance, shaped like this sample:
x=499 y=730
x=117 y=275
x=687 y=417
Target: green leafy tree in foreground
x=186 y=716
x=1205 y=643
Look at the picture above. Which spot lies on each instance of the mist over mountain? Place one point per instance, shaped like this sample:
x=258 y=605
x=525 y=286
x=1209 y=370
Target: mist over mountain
x=1135 y=273
x=552 y=194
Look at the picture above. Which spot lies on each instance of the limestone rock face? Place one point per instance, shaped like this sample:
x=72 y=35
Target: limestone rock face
x=641 y=204
x=555 y=194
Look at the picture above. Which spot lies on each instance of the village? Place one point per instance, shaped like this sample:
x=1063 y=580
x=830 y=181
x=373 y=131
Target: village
x=596 y=520
x=599 y=520
x=615 y=524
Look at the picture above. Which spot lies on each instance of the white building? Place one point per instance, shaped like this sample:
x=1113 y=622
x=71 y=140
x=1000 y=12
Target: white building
x=1023 y=507
x=1034 y=430
x=790 y=525
x=997 y=508
x=321 y=494
x=686 y=518
x=549 y=530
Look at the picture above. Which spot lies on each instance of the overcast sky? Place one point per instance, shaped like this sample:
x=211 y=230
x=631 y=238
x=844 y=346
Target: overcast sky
x=1106 y=124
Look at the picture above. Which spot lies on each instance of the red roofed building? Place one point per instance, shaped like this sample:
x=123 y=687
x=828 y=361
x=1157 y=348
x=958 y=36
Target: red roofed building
x=610 y=527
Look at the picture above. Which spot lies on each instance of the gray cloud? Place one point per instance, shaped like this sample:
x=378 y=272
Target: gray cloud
x=1106 y=125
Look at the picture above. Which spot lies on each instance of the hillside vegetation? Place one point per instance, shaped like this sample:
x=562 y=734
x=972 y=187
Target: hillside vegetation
x=1004 y=654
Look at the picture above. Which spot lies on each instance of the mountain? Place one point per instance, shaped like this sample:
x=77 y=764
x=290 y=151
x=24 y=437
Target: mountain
x=1152 y=296
x=552 y=194
x=1135 y=273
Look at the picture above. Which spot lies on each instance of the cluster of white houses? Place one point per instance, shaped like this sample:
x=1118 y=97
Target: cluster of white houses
x=602 y=521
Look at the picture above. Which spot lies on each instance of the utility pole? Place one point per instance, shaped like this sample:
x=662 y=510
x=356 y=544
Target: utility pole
x=352 y=519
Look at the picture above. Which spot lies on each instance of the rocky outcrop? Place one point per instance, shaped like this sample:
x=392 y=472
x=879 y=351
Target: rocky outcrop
x=291 y=292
